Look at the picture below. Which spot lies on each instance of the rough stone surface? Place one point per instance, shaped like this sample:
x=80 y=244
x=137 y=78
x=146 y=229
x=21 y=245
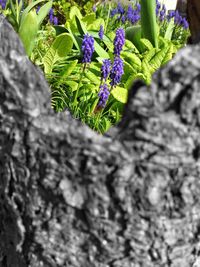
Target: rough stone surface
x=70 y=197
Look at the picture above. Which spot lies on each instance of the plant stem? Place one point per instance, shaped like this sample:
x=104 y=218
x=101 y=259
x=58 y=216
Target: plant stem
x=108 y=16
x=80 y=80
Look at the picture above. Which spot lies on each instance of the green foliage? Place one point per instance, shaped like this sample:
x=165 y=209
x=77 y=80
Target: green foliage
x=26 y=22
x=60 y=48
x=149 y=27
x=149 y=45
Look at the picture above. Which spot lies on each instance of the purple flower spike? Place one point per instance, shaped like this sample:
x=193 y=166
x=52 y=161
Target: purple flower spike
x=123 y=19
x=120 y=9
x=185 y=24
x=51 y=18
x=103 y=95
x=3 y=4
x=94 y=8
x=113 y=12
x=117 y=71
x=119 y=41
x=55 y=21
x=87 y=48
x=129 y=13
x=138 y=7
x=51 y=12
x=171 y=15
x=105 y=69
x=101 y=32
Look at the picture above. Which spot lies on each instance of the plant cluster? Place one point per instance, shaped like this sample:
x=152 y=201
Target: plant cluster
x=92 y=54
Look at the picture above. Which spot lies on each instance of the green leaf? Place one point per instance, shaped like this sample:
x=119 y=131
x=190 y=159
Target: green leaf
x=60 y=29
x=68 y=70
x=169 y=30
x=150 y=54
x=74 y=38
x=95 y=24
x=93 y=103
x=131 y=46
x=120 y=94
x=28 y=31
x=89 y=19
x=133 y=34
x=74 y=11
x=98 y=49
x=146 y=70
x=132 y=59
x=28 y=9
x=128 y=71
x=60 y=48
x=146 y=43
x=105 y=124
x=92 y=77
x=44 y=11
x=148 y=21
x=72 y=84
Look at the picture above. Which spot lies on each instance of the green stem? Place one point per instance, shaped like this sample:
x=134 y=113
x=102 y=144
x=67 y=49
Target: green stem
x=108 y=16
x=77 y=91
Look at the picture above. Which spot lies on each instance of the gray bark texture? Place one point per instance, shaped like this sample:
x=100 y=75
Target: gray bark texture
x=70 y=197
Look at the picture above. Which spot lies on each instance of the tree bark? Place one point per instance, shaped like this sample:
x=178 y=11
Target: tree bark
x=193 y=14
x=70 y=197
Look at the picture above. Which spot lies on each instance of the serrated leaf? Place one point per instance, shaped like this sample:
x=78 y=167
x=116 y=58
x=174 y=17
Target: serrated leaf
x=131 y=46
x=146 y=43
x=146 y=70
x=132 y=59
x=150 y=54
x=120 y=94
x=72 y=84
x=61 y=46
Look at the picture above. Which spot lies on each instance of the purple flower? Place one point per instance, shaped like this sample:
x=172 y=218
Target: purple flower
x=117 y=71
x=3 y=3
x=51 y=18
x=158 y=6
x=185 y=24
x=94 y=8
x=123 y=19
x=51 y=12
x=119 y=41
x=129 y=13
x=101 y=32
x=138 y=7
x=120 y=9
x=105 y=69
x=55 y=21
x=133 y=15
x=87 y=48
x=103 y=95
x=38 y=9
x=177 y=18
x=171 y=14
x=113 y=12
x=162 y=13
